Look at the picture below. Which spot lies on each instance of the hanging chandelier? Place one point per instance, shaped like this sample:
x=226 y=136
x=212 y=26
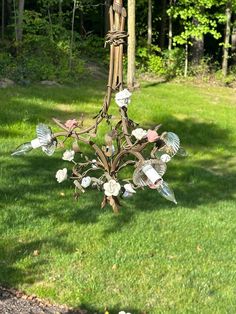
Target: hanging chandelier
x=126 y=144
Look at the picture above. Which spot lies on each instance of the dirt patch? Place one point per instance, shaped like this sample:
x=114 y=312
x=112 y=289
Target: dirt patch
x=13 y=301
x=97 y=71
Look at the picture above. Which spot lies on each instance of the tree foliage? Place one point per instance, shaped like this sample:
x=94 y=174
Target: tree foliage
x=47 y=25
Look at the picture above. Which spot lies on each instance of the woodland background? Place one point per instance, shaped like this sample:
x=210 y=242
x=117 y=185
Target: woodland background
x=55 y=39
x=154 y=257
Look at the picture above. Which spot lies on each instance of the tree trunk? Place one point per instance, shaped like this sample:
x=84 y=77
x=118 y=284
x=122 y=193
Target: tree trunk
x=15 y=19
x=163 y=25
x=81 y=23
x=198 y=46
x=19 y=25
x=72 y=35
x=107 y=7
x=3 y=19
x=228 y=13
x=8 y=12
x=149 y=41
x=60 y=12
x=233 y=44
x=50 y=23
x=170 y=32
x=131 y=44
x=198 y=50
x=186 y=61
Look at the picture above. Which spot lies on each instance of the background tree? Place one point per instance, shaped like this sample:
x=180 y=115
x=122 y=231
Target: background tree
x=196 y=23
x=106 y=17
x=149 y=41
x=198 y=42
x=162 y=35
x=233 y=41
x=19 y=23
x=194 y=33
x=3 y=19
x=75 y=6
x=60 y=13
x=131 y=44
x=170 y=29
x=226 y=45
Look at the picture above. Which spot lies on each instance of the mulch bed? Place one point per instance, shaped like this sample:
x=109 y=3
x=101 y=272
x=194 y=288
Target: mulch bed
x=13 y=301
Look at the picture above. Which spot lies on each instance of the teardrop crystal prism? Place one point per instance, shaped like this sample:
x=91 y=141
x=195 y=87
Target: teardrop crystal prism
x=182 y=152
x=166 y=192
x=141 y=179
x=22 y=149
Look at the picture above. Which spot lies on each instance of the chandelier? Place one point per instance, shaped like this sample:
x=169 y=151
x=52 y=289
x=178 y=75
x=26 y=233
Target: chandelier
x=125 y=145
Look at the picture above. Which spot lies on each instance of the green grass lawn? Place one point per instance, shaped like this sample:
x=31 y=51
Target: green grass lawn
x=154 y=257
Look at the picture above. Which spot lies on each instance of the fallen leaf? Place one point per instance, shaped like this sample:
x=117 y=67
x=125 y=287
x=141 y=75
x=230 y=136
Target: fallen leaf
x=171 y=257
x=36 y=252
x=199 y=249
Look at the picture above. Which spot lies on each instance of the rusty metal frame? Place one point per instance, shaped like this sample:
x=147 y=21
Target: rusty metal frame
x=126 y=145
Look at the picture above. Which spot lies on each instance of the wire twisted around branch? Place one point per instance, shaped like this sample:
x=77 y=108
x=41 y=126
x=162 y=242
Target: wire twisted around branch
x=116 y=37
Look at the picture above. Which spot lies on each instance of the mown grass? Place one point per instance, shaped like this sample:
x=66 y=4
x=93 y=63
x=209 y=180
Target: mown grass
x=153 y=257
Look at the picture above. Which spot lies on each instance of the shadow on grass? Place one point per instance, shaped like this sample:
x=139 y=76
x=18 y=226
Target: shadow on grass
x=18 y=104
x=21 y=251
x=87 y=309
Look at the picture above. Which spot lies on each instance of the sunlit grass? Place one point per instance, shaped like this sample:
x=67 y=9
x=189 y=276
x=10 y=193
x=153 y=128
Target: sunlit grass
x=154 y=256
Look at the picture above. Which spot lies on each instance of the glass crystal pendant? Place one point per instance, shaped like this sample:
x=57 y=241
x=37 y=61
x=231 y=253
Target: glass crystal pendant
x=166 y=192
x=182 y=152
x=149 y=172
x=44 y=139
x=172 y=143
x=22 y=149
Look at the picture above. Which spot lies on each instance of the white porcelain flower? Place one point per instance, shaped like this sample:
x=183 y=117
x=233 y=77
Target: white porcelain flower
x=86 y=181
x=139 y=133
x=111 y=188
x=94 y=164
x=122 y=98
x=129 y=188
x=68 y=155
x=165 y=158
x=61 y=175
x=129 y=191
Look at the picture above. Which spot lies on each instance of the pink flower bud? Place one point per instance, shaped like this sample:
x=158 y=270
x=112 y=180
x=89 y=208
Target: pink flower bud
x=152 y=136
x=71 y=123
